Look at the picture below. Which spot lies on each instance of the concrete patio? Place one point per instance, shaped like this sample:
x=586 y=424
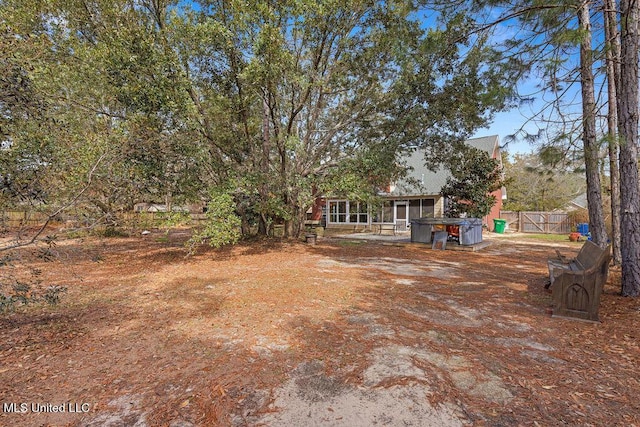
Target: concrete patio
x=405 y=238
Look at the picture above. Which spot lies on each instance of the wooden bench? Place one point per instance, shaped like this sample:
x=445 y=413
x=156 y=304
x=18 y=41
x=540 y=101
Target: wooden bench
x=577 y=283
x=391 y=227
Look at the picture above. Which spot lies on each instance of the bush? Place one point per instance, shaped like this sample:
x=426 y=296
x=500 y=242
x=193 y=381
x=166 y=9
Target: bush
x=18 y=292
x=222 y=225
x=24 y=294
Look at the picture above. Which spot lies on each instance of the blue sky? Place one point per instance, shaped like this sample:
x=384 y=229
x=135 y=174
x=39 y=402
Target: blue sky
x=538 y=116
x=508 y=123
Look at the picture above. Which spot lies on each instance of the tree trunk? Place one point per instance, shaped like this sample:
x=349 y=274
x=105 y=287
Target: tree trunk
x=628 y=128
x=290 y=223
x=168 y=202
x=589 y=136
x=263 y=226
x=245 y=227
x=613 y=73
x=293 y=226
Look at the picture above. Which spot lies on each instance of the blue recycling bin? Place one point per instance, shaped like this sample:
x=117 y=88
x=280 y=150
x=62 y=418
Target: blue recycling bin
x=583 y=228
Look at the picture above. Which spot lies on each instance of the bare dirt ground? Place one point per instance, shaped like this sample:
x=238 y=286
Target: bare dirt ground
x=344 y=333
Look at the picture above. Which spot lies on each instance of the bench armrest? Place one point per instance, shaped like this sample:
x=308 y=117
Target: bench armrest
x=562 y=258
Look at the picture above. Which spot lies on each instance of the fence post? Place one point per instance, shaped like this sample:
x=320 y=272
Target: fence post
x=520 y=221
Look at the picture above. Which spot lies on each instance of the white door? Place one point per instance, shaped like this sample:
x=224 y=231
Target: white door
x=401 y=215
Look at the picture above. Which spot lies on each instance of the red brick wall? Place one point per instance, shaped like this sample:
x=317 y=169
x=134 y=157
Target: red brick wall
x=495 y=211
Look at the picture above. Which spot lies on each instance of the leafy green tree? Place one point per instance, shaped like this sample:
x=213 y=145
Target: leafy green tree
x=318 y=87
x=277 y=102
x=109 y=124
x=474 y=176
x=538 y=183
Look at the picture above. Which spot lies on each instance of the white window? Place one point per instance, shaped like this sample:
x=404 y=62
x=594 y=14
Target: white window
x=384 y=212
x=338 y=211
x=358 y=213
x=346 y=212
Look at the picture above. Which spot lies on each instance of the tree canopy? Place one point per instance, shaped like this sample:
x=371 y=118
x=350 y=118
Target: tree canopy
x=474 y=176
x=535 y=182
x=111 y=102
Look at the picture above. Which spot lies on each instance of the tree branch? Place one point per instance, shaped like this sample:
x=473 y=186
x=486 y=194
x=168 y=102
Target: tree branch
x=58 y=211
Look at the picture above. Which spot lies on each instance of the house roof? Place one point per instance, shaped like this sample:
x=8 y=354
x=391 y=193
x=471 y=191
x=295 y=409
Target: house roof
x=427 y=182
x=579 y=202
x=490 y=144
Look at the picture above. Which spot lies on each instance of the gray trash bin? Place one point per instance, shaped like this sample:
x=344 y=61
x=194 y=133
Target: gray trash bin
x=471 y=231
x=420 y=231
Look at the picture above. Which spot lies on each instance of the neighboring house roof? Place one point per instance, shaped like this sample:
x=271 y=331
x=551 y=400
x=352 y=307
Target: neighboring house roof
x=579 y=202
x=430 y=182
x=158 y=207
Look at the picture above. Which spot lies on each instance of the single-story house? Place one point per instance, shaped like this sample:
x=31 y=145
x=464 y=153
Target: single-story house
x=403 y=201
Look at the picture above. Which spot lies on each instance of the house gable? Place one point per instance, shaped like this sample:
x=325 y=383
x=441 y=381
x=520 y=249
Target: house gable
x=489 y=144
x=421 y=181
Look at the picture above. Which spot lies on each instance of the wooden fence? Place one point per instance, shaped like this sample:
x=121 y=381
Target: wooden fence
x=524 y=222
x=21 y=218
x=134 y=219
x=538 y=222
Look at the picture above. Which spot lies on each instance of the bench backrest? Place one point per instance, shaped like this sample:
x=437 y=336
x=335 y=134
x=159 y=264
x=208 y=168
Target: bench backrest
x=590 y=254
x=601 y=266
